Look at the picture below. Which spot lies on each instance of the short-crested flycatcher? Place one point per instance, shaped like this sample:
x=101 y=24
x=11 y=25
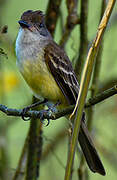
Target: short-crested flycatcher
x=49 y=73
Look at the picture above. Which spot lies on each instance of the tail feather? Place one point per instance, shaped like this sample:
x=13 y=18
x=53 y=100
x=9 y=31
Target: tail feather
x=89 y=150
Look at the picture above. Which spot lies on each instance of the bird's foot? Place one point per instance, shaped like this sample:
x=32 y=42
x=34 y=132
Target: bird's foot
x=48 y=112
x=26 y=109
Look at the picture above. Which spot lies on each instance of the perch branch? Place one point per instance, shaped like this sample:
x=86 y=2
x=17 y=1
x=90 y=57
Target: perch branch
x=55 y=115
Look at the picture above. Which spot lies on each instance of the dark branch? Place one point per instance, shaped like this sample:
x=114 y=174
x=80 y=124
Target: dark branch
x=83 y=38
x=102 y=96
x=34 y=148
x=72 y=20
x=48 y=115
x=52 y=15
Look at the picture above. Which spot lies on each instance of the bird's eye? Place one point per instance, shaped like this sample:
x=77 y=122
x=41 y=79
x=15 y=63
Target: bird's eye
x=41 y=25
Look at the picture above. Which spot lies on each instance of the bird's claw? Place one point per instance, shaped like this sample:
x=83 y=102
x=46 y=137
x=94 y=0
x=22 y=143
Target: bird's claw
x=24 y=111
x=48 y=112
x=42 y=116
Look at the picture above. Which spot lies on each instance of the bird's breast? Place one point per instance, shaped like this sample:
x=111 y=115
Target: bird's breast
x=39 y=78
x=31 y=63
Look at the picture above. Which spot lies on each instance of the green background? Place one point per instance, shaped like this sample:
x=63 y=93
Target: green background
x=105 y=113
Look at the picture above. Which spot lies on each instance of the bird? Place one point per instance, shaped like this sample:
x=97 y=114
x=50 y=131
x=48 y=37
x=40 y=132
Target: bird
x=48 y=71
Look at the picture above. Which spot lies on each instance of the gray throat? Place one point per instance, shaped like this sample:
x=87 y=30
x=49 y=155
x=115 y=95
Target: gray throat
x=29 y=44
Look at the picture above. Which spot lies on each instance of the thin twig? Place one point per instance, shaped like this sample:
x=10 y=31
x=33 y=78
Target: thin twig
x=100 y=97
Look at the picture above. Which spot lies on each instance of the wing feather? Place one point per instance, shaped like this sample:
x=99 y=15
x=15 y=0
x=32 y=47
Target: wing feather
x=61 y=68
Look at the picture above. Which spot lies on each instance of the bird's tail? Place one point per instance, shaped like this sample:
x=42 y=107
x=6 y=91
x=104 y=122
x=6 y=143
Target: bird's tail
x=89 y=150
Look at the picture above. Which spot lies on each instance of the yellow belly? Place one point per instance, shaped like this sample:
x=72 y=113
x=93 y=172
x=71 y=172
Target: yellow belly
x=41 y=81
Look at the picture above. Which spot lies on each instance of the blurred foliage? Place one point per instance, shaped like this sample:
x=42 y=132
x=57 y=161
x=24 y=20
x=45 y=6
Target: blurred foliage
x=14 y=92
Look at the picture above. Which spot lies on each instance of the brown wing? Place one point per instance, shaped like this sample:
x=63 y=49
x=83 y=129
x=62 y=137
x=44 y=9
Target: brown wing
x=62 y=71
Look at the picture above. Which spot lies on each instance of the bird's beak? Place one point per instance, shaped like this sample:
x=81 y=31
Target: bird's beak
x=24 y=24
